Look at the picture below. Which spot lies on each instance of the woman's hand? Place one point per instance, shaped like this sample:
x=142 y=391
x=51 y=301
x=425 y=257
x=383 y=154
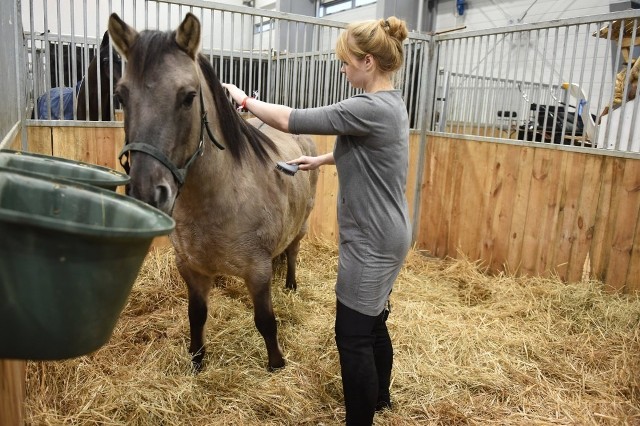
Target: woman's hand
x=236 y=94
x=306 y=162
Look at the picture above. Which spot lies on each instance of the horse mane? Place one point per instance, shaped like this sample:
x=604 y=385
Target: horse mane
x=240 y=138
x=233 y=127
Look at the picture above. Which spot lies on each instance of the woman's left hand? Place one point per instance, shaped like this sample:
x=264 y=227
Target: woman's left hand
x=237 y=94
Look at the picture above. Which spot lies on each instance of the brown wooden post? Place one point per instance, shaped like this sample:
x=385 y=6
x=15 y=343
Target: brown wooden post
x=12 y=392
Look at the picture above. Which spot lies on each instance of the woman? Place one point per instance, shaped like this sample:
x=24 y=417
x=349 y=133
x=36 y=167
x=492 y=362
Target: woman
x=371 y=157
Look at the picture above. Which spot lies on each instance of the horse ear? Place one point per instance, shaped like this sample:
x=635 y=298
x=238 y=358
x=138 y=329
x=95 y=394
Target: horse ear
x=188 y=35
x=105 y=39
x=121 y=34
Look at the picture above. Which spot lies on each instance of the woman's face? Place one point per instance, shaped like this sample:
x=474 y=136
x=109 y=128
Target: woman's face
x=356 y=71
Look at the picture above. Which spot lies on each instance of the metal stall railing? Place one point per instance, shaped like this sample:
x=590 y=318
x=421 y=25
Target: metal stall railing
x=571 y=82
x=284 y=58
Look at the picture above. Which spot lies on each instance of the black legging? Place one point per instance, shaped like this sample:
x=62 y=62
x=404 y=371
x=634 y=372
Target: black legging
x=366 y=358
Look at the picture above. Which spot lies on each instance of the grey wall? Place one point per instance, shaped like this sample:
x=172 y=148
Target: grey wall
x=10 y=89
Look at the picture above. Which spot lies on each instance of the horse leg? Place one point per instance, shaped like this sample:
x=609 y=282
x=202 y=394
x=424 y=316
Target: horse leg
x=198 y=287
x=292 y=258
x=260 y=290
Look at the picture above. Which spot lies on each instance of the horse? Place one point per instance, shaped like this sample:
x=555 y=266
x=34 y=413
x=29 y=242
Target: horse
x=234 y=211
x=90 y=86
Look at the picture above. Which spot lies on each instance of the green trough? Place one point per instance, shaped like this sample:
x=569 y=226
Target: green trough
x=69 y=255
x=91 y=174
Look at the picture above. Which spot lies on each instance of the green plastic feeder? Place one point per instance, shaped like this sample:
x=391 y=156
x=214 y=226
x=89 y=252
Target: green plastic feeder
x=69 y=255
x=92 y=174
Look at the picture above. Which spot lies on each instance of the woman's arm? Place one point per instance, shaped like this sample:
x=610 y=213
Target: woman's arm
x=310 y=163
x=276 y=116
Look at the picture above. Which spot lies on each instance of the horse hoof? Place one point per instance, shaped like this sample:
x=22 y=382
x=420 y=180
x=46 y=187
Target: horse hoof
x=273 y=369
x=196 y=367
x=197 y=362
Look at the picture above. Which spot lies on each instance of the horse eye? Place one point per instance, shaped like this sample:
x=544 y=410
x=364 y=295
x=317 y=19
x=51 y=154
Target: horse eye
x=188 y=100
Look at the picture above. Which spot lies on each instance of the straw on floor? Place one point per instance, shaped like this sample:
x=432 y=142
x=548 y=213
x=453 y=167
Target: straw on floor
x=470 y=349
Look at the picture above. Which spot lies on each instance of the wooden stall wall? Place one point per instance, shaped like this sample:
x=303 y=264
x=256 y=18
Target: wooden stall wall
x=532 y=210
x=95 y=145
x=521 y=209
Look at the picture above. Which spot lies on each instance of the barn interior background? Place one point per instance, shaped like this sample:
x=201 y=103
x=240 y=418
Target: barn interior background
x=525 y=154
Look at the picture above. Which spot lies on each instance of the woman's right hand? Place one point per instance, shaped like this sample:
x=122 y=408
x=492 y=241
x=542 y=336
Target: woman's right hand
x=307 y=162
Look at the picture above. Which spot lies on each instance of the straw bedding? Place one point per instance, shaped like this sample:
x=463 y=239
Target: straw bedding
x=470 y=349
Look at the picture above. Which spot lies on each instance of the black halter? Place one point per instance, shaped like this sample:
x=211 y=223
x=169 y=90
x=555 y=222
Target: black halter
x=179 y=173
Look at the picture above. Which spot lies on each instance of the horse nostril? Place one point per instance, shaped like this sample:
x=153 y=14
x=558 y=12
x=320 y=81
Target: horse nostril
x=161 y=195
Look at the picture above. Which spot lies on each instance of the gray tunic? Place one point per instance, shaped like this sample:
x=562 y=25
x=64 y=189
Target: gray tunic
x=371 y=155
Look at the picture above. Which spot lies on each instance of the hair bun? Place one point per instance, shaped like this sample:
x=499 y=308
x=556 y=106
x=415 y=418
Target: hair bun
x=396 y=28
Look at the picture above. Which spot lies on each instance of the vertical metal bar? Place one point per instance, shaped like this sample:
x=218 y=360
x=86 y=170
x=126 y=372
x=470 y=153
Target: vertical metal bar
x=34 y=62
x=595 y=141
x=581 y=83
x=605 y=140
x=527 y=108
x=47 y=59
x=483 y=90
x=272 y=29
x=99 y=61
x=260 y=53
x=543 y=131
x=467 y=107
x=562 y=62
x=627 y=79
x=60 y=83
x=497 y=83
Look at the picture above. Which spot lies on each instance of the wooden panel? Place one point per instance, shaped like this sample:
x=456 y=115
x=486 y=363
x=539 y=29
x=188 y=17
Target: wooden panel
x=567 y=231
x=12 y=392
x=412 y=173
x=434 y=223
x=453 y=191
x=606 y=216
x=584 y=221
x=503 y=190
x=93 y=145
x=623 y=232
x=520 y=206
x=526 y=210
x=39 y=140
x=323 y=220
x=474 y=161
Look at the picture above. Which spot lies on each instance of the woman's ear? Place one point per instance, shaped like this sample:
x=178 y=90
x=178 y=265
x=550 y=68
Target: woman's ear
x=369 y=61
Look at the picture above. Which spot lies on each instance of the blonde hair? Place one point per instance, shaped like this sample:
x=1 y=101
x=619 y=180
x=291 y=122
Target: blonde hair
x=380 y=38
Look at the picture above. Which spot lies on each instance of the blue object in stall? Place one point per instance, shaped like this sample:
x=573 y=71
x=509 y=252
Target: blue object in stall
x=53 y=97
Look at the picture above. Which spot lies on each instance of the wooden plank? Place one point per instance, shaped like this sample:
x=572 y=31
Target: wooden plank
x=323 y=220
x=605 y=216
x=444 y=212
x=412 y=172
x=567 y=224
x=586 y=216
x=455 y=207
x=468 y=199
x=633 y=277
x=12 y=392
x=551 y=206
x=534 y=221
x=503 y=192
x=432 y=197
x=39 y=140
x=626 y=218
x=520 y=206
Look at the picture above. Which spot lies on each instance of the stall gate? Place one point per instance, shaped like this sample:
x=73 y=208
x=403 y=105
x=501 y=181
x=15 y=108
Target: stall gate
x=514 y=162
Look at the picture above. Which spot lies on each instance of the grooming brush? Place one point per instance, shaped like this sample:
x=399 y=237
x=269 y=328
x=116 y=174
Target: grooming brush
x=289 y=169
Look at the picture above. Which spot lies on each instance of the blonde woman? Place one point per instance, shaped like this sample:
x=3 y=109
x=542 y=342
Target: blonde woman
x=371 y=157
